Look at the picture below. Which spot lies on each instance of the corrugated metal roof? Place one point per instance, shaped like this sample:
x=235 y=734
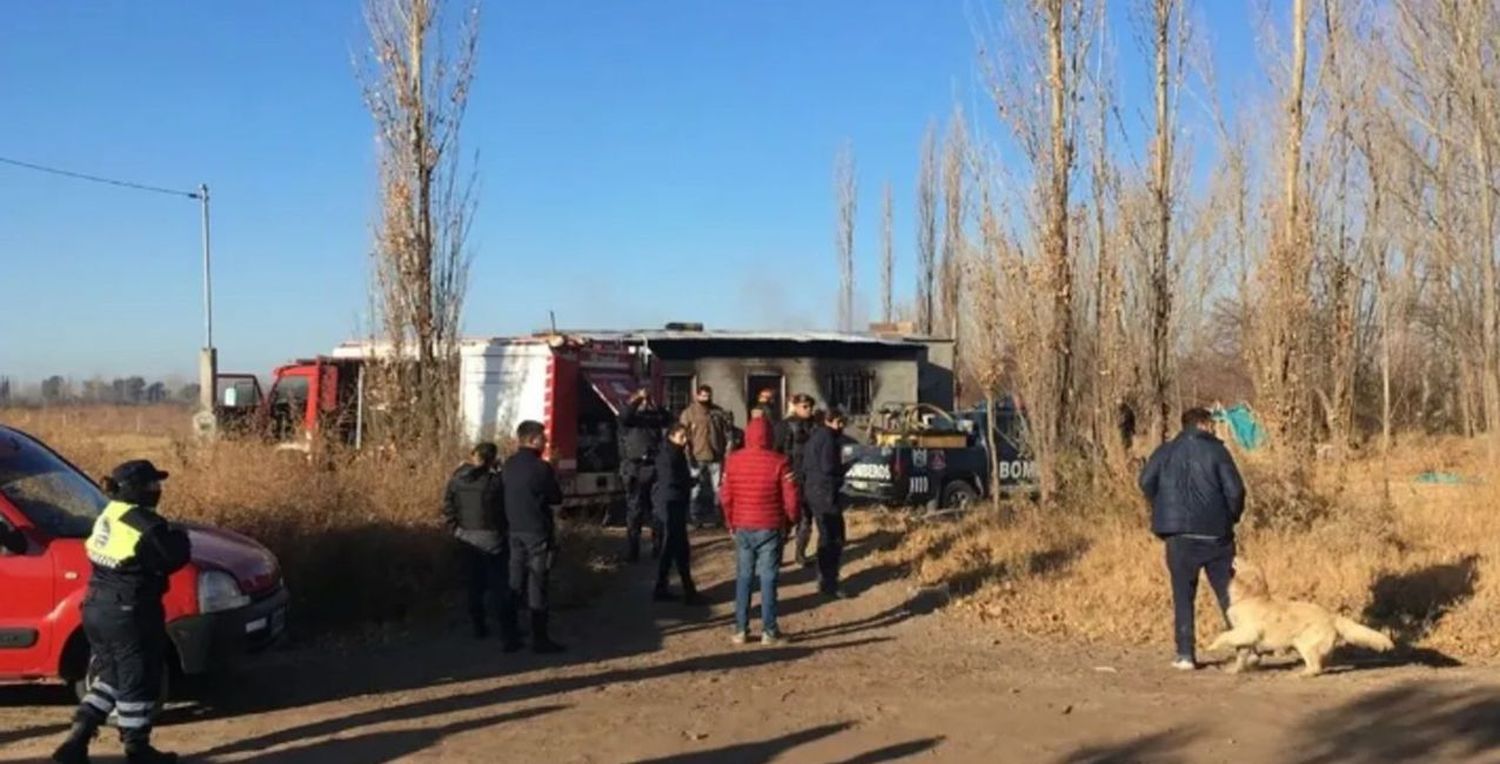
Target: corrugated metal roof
x=723 y=335
x=381 y=348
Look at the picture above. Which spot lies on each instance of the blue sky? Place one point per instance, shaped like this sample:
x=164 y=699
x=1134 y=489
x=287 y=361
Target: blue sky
x=640 y=162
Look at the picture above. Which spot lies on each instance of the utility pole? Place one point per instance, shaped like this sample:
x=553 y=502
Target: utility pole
x=208 y=358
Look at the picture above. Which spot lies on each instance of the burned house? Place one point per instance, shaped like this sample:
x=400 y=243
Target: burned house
x=858 y=373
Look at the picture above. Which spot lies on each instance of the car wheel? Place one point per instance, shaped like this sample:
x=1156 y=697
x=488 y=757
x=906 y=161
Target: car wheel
x=958 y=495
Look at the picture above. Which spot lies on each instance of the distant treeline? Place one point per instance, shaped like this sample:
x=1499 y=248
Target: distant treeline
x=120 y=391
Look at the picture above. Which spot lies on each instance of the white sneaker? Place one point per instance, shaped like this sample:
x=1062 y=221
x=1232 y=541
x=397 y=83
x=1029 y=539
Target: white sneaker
x=739 y=638
x=772 y=640
x=1185 y=664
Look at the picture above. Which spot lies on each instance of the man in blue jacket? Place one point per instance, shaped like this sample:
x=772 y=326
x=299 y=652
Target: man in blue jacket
x=1197 y=497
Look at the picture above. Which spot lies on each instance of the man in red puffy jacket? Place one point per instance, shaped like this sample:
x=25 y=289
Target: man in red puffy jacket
x=760 y=503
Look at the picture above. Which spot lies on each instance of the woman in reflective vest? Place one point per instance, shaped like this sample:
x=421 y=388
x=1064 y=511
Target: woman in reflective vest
x=133 y=551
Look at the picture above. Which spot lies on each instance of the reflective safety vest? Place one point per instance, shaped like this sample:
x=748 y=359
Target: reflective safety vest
x=116 y=532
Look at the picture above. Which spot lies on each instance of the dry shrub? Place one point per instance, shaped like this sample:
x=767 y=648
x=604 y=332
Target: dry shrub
x=358 y=535
x=1422 y=565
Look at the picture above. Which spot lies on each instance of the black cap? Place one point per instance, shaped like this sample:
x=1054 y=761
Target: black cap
x=137 y=471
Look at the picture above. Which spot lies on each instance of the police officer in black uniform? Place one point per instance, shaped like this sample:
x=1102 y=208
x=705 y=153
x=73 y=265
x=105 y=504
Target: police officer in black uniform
x=791 y=440
x=133 y=551
x=641 y=426
x=474 y=512
x=531 y=491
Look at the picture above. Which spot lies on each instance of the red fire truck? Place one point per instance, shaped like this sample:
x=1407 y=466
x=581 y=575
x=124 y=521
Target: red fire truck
x=576 y=388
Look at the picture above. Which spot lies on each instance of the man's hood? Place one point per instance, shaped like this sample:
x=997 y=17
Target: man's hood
x=758 y=434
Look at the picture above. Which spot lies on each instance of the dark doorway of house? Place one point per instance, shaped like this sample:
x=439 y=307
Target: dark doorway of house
x=759 y=382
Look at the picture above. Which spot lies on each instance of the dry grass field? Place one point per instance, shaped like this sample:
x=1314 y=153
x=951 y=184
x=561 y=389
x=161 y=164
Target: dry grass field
x=1423 y=565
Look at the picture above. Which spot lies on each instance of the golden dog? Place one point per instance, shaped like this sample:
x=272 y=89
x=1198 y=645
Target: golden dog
x=1261 y=623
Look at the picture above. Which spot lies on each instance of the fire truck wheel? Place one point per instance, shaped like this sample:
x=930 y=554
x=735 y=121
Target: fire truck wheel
x=958 y=495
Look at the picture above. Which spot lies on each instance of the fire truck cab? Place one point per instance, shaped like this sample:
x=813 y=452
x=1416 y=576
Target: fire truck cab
x=319 y=396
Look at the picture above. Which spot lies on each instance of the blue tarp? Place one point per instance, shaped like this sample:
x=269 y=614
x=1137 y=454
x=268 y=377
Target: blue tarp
x=1441 y=478
x=1242 y=423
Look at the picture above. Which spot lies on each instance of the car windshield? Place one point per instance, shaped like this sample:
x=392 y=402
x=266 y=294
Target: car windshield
x=57 y=498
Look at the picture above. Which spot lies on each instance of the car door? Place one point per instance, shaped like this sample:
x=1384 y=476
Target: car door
x=28 y=581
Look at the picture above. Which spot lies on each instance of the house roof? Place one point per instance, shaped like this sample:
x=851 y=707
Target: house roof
x=381 y=348
x=722 y=335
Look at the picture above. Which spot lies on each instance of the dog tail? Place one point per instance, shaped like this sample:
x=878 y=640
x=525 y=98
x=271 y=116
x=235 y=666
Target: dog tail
x=1362 y=636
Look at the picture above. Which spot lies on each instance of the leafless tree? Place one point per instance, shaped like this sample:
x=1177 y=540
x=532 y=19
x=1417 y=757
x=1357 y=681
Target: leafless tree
x=887 y=259
x=927 y=198
x=416 y=90
x=1284 y=361
x=1047 y=42
x=1168 y=24
x=846 y=188
x=988 y=351
x=955 y=171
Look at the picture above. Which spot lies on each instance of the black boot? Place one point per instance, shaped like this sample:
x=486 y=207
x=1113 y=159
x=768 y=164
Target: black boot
x=145 y=754
x=510 y=638
x=75 y=750
x=541 y=643
x=690 y=595
x=661 y=593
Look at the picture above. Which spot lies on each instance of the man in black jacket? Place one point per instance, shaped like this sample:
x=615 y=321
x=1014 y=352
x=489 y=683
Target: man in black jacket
x=641 y=426
x=474 y=512
x=1197 y=497
x=671 y=496
x=822 y=480
x=531 y=491
x=791 y=440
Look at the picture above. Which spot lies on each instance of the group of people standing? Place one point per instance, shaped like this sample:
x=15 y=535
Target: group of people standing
x=784 y=477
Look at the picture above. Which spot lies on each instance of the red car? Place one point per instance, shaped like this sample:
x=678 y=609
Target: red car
x=227 y=602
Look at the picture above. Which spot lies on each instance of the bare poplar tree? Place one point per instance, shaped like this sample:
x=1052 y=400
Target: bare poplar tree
x=1283 y=362
x=955 y=171
x=416 y=91
x=887 y=259
x=1169 y=31
x=987 y=353
x=846 y=188
x=1046 y=41
x=927 y=198
x=1113 y=357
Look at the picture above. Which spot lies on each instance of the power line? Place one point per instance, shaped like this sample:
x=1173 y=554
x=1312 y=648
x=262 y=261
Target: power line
x=98 y=179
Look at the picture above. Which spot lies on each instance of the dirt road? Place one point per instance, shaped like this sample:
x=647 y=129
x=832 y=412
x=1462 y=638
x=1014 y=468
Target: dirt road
x=884 y=677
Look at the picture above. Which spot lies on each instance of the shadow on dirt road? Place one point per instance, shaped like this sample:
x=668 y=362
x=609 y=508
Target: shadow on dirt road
x=528 y=691
x=378 y=747
x=768 y=750
x=1416 y=721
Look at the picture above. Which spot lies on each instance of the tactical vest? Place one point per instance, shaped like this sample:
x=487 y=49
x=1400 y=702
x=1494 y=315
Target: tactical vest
x=116 y=532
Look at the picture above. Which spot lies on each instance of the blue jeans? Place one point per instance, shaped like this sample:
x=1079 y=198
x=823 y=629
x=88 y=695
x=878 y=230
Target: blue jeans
x=756 y=551
x=1185 y=558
